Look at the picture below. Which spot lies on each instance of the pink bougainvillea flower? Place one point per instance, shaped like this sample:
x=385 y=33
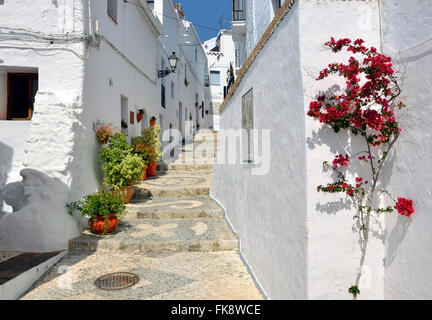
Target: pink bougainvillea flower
x=404 y=207
x=340 y=161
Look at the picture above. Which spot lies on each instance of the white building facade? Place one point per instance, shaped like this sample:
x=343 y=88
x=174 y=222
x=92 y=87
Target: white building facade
x=220 y=53
x=250 y=19
x=299 y=243
x=66 y=65
x=182 y=97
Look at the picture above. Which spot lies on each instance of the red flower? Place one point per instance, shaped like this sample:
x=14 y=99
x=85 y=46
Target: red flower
x=350 y=192
x=404 y=207
x=340 y=160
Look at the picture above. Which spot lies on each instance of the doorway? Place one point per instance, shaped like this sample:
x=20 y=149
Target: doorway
x=124 y=114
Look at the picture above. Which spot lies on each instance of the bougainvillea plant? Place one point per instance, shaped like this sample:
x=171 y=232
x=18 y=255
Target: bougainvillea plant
x=365 y=108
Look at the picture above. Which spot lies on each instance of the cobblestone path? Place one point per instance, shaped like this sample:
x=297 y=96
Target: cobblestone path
x=174 y=237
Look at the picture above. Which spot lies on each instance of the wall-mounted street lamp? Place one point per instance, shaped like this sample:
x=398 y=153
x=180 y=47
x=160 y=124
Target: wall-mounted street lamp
x=173 y=62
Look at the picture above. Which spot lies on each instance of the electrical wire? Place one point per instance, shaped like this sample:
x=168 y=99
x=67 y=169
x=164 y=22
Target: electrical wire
x=171 y=17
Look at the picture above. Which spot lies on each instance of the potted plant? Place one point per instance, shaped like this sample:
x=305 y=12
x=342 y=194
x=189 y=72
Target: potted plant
x=103 y=131
x=150 y=144
x=122 y=168
x=103 y=209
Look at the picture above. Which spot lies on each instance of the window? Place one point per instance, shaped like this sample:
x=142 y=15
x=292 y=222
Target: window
x=239 y=8
x=172 y=90
x=215 y=78
x=162 y=96
x=275 y=5
x=196 y=55
x=247 y=125
x=22 y=90
x=150 y=3
x=112 y=9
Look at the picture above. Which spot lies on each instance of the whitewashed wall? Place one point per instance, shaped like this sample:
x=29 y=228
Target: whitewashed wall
x=124 y=64
x=76 y=87
x=325 y=231
x=408 y=262
x=182 y=38
x=41 y=222
x=268 y=211
x=333 y=246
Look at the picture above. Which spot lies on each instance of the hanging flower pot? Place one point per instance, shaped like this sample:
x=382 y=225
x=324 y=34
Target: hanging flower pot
x=152 y=122
x=103 y=225
x=151 y=169
x=140 y=116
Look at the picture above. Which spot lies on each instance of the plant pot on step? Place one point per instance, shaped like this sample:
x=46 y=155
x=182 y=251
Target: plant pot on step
x=99 y=225
x=126 y=192
x=151 y=169
x=144 y=176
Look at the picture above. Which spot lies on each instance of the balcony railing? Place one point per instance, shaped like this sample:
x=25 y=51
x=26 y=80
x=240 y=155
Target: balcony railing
x=239 y=10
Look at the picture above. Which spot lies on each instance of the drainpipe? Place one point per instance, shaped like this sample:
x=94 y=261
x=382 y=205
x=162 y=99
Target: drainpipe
x=90 y=19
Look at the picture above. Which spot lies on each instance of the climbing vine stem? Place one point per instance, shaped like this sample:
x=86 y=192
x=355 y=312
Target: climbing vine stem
x=366 y=107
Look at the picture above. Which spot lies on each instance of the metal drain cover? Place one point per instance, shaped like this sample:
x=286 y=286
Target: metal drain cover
x=117 y=281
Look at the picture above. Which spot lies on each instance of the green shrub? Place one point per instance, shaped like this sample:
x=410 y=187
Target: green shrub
x=120 y=165
x=149 y=137
x=100 y=204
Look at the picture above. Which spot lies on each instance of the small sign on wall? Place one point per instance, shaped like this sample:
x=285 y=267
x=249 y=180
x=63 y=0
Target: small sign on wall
x=132 y=117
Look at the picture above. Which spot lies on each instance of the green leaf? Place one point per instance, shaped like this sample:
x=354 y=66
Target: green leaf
x=354 y=290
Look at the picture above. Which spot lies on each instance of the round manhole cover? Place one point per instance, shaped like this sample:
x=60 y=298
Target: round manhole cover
x=117 y=281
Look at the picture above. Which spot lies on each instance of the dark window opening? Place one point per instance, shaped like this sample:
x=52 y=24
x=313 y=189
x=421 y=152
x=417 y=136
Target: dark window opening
x=22 y=89
x=163 y=96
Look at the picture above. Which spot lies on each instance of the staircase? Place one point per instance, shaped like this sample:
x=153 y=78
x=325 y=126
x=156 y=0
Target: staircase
x=172 y=212
x=174 y=236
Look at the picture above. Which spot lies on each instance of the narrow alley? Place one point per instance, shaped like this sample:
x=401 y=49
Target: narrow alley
x=174 y=238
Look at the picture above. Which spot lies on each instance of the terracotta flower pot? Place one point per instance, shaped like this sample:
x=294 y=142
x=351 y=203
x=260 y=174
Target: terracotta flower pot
x=152 y=123
x=144 y=176
x=140 y=117
x=151 y=169
x=99 y=226
x=126 y=192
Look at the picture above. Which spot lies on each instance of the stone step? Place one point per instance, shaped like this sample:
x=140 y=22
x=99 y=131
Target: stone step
x=174 y=184
x=181 y=208
x=156 y=236
x=190 y=166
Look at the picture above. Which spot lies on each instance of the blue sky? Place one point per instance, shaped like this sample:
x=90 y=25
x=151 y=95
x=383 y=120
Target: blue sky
x=208 y=13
